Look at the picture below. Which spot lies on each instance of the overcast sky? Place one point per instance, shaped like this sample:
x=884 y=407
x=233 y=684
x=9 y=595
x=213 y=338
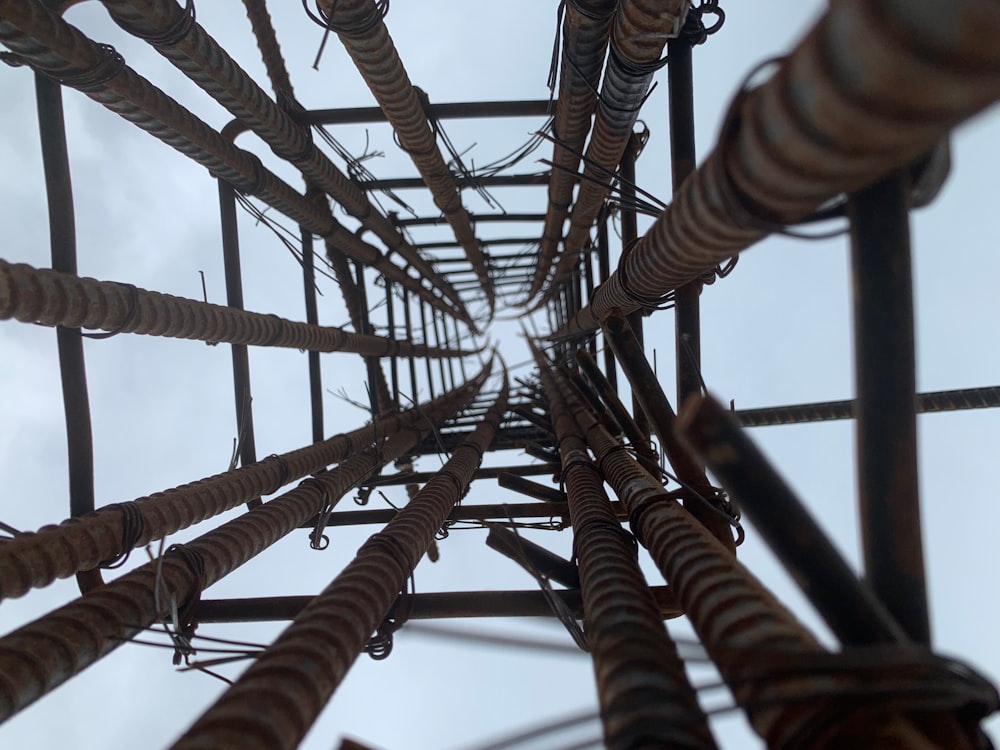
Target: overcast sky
x=777 y=331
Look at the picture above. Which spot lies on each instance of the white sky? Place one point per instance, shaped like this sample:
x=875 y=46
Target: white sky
x=777 y=331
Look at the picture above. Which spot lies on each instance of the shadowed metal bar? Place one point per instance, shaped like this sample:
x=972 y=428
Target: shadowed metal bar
x=885 y=371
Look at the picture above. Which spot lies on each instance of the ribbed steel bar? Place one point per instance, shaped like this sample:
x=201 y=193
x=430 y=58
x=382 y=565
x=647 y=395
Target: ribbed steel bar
x=639 y=33
x=51 y=298
x=442 y=111
x=48 y=44
x=427 y=606
x=533 y=557
x=700 y=498
x=33 y=560
x=745 y=630
x=874 y=85
x=848 y=606
x=200 y=58
x=270 y=50
x=585 y=30
x=930 y=402
x=489 y=472
x=276 y=700
x=885 y=373
x=359 y=25
x=645 y=696
x=41 y=655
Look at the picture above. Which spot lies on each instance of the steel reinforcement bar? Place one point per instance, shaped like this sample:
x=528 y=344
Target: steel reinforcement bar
x=641 y=30
x=585 y=41
x=204 y=61
x=645 y=696
x=51 y=298
x=41 y=655
x=746 y=631
x=875 y=84
x=364 y=35
x=47 y=43
x=931 y=402
x=274 y=703
x=32 y=560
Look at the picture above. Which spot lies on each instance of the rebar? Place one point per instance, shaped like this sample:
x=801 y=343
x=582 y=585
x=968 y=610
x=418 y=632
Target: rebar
x=276 y=700
x=200 y=58
x=41 y=655
x=359 y=25
x=646 y=698
x=874 y=84
x=51 y=298
x=33 y=560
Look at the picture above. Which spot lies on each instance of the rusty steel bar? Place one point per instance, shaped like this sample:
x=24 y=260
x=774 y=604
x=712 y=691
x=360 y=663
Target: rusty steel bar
x=245 y=438
x=33 y=560
x=196 y=54
x=488 y=472
x=273 y=704
x=700 y=498
x=69 y=342
x=474 y=218
x=645 y=696
x=746 y=631
x=359 y=25
x=640 y=32
x=43 y=654
x=585 y=30
x=312 y=318
x=531 y=489
x=885 y=374
x=444 y=111
x=687 y=304
x=873 y=85
x=270 y=50
x=533 y=557
x=428 y=606
x=412 y=366
x=48 y=44
x=930 y=402
x=480 y=512
x=51 y=298
x=849 y=607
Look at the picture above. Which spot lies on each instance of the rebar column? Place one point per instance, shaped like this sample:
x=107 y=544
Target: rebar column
x=277 y=699
x=645 y=696
x=886 y=397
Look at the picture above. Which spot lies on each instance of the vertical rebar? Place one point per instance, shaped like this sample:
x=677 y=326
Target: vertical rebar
x=886 y=396
x=312 y=317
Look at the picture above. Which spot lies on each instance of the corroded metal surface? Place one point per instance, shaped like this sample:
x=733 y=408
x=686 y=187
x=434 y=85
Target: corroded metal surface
x=874 y=85
x=360 y=27
x=646 y=699
x=58 y=299
x=276 y=701
x=43 y=654
x=56 y=551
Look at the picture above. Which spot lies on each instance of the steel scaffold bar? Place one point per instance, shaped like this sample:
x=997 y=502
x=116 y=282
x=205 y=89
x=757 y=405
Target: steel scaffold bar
x=645 y=696
x=874 y=84
x=200 y=58
x=49 y=45
x=33 y=560
x=273 y=704
x=364 y=35
x=43 y=654
x=50 y=298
